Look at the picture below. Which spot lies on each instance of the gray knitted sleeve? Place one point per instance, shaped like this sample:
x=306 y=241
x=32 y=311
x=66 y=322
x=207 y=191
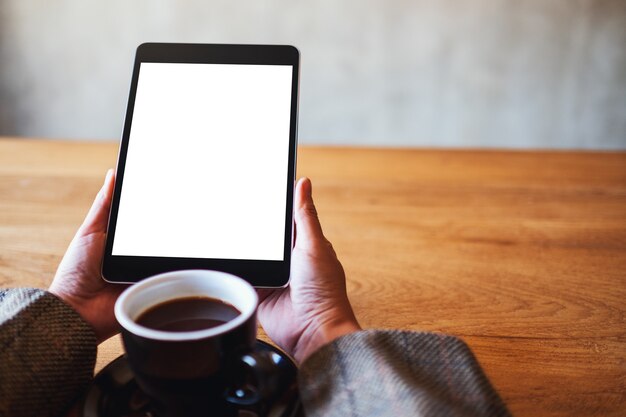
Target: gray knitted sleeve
x=396 y=373
x=47 y=353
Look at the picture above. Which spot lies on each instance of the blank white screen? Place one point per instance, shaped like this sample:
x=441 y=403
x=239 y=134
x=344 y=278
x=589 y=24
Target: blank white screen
x=206 y=168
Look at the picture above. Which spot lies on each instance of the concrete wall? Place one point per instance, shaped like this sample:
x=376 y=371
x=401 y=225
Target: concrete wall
x=496 y=73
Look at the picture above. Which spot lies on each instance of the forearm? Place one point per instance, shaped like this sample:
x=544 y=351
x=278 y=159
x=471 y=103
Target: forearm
x=392 y=373
x=47 y=353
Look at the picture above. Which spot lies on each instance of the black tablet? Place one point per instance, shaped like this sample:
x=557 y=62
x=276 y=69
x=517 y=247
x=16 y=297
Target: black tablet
x=206 y=166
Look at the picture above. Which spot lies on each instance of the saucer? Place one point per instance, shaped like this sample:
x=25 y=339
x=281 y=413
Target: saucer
x=114 y=392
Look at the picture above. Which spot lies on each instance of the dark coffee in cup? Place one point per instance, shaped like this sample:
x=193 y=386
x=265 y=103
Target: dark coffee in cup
x=189 y=338
x=188 y=314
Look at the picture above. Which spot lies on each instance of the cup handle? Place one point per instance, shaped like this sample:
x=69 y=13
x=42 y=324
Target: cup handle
x=257 y=377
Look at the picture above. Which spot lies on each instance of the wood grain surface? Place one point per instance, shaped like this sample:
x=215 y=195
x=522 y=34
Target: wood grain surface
x=522 y=254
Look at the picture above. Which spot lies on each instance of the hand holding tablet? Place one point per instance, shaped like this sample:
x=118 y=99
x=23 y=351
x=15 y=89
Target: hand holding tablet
x=206 y=167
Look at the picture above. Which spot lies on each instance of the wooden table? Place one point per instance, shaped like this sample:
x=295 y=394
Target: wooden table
x=522 y=254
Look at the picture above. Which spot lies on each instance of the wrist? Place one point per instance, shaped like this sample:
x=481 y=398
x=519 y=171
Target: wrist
x=322 y=335
x=330 y=333
x=77 y=306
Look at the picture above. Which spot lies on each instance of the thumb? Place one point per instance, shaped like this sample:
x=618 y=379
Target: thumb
x=97 y=217
x=308 y=225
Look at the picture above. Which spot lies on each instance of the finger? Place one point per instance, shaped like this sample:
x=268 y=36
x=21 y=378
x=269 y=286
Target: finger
x=309 y=229
x=98 y=215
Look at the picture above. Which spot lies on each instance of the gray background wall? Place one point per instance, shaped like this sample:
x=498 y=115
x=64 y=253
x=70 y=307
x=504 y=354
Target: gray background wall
x=487 y=73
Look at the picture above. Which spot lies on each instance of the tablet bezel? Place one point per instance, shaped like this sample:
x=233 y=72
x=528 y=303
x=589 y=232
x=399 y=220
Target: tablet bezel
x=260 y=273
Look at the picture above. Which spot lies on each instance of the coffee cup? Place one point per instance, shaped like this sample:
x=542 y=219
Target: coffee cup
x=189 y=338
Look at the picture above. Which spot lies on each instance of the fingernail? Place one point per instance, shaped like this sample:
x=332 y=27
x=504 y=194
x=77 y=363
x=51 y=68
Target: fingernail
x=108 y=175
x=308 y=187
